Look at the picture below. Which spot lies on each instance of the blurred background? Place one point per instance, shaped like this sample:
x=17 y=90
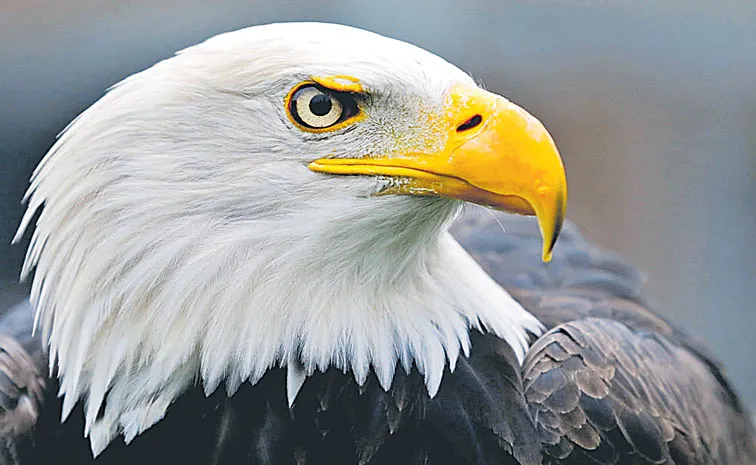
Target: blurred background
x=652 y=103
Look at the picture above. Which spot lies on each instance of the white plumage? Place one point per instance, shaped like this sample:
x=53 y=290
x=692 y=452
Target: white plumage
x=183 y=238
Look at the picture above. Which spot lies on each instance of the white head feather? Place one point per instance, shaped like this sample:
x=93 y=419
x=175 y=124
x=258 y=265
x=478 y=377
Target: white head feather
x=183 y=237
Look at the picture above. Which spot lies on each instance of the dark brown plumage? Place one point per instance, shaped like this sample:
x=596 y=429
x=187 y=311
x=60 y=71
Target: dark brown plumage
x=610 y=380
x=22 y=382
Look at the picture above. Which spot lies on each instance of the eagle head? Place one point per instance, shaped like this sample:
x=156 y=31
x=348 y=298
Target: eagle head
x=276 y=196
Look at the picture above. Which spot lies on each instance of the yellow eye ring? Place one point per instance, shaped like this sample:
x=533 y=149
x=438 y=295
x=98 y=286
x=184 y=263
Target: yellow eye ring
x=313 y=107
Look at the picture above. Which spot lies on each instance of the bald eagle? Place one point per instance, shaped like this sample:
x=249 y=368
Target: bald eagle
x=243 y=255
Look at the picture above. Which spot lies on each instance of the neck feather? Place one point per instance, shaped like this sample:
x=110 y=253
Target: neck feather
x=225 y=304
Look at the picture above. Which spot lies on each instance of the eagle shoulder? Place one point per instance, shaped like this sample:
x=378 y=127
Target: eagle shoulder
x=22 y=379
x=609 y=379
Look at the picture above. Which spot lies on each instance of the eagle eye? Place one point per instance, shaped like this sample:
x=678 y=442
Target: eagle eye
x=315 y=108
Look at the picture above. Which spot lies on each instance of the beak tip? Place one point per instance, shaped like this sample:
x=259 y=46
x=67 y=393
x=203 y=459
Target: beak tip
x=549 y=240
x=548 y=245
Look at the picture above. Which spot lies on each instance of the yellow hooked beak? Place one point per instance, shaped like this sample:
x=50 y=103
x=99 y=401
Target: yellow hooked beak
x=496 y=154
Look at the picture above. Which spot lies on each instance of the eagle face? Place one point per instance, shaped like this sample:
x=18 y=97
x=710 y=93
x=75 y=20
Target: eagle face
x=278 y=195
x=238 y=106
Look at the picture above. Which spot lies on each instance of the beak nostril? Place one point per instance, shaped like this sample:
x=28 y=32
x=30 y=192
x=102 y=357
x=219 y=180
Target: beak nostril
x=470 y=123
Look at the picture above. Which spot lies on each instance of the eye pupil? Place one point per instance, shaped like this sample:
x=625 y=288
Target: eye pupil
x=320 y=105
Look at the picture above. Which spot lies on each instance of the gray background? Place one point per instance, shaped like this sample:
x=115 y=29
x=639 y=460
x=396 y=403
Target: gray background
x=652 y=105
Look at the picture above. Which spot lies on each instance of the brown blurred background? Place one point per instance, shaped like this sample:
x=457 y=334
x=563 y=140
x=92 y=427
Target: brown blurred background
x=652 y=103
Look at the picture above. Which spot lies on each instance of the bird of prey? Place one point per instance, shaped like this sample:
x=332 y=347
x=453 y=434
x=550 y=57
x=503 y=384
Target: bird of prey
x=243 y=255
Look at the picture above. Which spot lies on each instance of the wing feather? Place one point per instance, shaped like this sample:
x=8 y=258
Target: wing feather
x=22 y=381
x=610 y=382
